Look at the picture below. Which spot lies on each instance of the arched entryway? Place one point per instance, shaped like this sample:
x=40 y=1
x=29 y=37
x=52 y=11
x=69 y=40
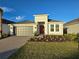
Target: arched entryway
x=41 y=29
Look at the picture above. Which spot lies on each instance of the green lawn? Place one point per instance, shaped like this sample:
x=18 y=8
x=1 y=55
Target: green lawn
x=47 y=50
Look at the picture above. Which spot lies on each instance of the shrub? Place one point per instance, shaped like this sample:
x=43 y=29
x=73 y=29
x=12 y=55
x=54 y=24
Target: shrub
x=48 y=38
x=70 y=36
x=4 y=35
x=77 y=37
x=54 y=38
x=36 y=33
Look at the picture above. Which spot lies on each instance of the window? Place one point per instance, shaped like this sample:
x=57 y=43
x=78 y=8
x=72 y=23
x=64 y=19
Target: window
x=57 y=27
x=52 y=27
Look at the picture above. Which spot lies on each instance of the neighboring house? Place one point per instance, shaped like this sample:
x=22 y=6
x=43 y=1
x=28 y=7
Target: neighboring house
x=41 y=24
x=72 y=27
x=4 y=26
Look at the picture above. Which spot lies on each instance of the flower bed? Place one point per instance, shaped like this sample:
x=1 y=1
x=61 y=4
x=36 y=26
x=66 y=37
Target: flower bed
x=51 y=38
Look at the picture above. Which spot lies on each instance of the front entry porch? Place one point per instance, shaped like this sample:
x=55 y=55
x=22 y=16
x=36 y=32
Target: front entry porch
x=41 y=28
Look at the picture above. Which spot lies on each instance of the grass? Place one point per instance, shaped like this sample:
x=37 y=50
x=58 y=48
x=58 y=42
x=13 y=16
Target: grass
x=47 y=50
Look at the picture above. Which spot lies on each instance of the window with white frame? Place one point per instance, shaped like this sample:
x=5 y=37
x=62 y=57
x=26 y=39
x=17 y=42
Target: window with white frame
x=52 y=27
x=57 y=27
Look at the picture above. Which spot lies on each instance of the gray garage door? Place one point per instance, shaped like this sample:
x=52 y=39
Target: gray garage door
x=24 y=31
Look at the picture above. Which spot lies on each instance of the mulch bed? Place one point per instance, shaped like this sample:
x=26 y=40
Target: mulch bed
x=49 y=38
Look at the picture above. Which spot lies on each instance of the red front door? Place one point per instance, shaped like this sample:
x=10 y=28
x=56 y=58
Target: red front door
x=41 y=29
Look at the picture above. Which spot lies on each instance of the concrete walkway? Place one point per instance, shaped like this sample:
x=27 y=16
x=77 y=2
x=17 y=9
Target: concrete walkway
x=10 y=45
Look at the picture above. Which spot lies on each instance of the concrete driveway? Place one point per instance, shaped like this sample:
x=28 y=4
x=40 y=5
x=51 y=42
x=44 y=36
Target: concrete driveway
x=10 y=45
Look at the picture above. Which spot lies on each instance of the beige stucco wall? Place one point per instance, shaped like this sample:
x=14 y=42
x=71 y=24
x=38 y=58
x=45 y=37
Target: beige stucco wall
x=60 y=32
x=73 y=29
x=11 y=29
x=42 y=18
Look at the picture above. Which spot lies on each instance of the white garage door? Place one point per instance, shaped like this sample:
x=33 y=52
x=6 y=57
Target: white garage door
x=24 y=30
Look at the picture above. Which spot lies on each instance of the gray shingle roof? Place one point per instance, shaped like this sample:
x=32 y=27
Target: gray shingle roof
x=25 y=22
x=51 y=20
x=30 y=21
x=75 y=21
x=5 y=21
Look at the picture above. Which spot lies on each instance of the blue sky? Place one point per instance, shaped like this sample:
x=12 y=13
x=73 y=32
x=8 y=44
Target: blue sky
x=19 y=10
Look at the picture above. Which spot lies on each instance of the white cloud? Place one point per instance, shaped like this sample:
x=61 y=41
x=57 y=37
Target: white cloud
x=20 y=17
x=6 y=9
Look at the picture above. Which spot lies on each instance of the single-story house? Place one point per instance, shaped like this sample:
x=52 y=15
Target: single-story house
x=41 y=24
x=4 y=25
x=72 y=27
x=7 y=27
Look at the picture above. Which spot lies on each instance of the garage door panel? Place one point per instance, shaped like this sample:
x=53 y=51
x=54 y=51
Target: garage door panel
x=24 y=31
